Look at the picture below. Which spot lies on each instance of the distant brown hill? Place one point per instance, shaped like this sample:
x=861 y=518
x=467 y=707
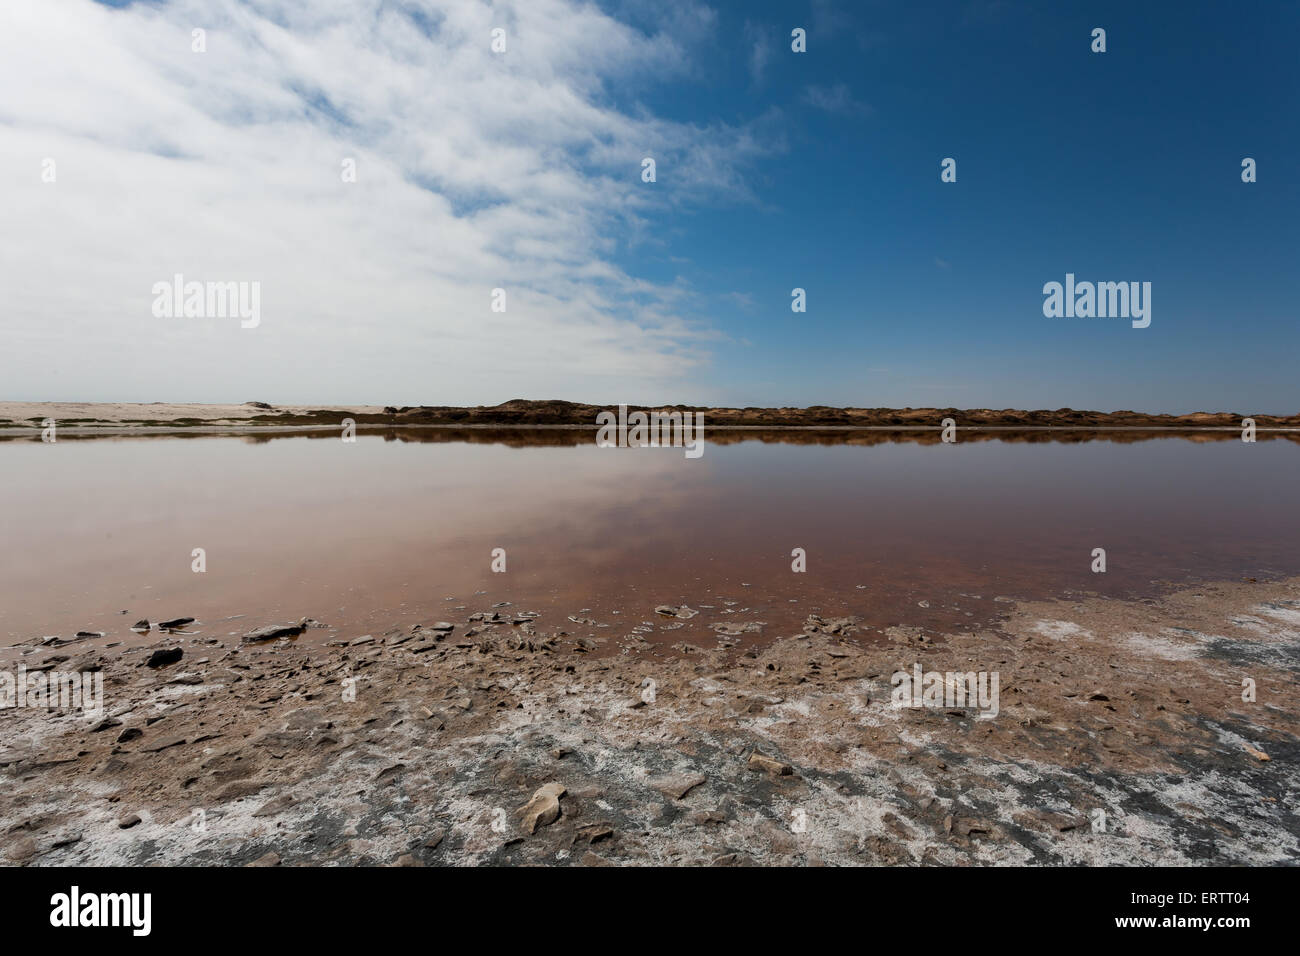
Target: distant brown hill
x=525 y=412
x=28 y=416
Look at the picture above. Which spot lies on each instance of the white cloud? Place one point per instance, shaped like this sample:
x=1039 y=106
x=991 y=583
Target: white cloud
x=835 y=99
x=761 y=50
x=744 y=300
x=475 y=170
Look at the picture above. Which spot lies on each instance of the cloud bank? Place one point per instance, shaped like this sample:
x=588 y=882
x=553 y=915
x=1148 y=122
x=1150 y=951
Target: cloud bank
x=475 y=170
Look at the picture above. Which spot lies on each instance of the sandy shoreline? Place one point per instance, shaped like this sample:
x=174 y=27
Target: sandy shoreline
x=461 y=740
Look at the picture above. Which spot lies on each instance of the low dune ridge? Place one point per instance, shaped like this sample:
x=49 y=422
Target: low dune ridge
x=555 y=412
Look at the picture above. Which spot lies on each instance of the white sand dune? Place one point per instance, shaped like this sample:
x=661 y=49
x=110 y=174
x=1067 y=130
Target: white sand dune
x=128 y=413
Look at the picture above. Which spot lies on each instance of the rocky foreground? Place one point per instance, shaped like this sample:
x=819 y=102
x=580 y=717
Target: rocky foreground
x=1122 y=736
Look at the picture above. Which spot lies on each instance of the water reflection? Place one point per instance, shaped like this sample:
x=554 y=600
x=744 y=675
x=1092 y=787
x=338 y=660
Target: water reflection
x=898 y=527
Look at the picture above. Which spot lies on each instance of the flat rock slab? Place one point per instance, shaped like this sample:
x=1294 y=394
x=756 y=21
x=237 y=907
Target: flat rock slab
x=677 y=785
x=682 y=611
x=776 y=768
x=272 y=631
x=543 y=809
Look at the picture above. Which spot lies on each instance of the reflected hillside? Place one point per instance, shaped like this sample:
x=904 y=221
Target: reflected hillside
x=575 y=436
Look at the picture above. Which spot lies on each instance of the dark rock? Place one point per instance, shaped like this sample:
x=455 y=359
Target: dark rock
x=164 y=656
x=272 y=631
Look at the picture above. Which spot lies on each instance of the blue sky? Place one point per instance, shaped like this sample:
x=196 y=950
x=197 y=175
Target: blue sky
x=775 y=170
x=1122 y=165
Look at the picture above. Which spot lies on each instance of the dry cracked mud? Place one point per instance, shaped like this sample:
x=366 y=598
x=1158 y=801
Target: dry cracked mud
x=1123 y=735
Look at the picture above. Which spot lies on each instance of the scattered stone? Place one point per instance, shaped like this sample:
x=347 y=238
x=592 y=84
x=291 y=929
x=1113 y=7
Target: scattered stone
x=776 y=768
x=23 y=850
x=175 y=623
x=128 y=822
x=544 y=807
x=595 y=832
x=272 y=631
x=702 y=817
x=67 y=838
x=677 y=785
x=164 y=656
x=682 y=611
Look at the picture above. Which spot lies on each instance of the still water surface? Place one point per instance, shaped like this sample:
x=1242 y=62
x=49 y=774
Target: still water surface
x=382 y=532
